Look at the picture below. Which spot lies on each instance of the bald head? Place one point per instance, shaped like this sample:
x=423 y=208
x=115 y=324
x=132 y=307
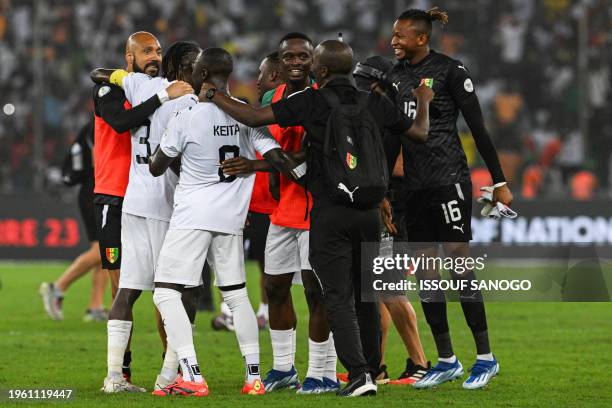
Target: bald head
x=332 y=58
x=143 y=53
x=336 y=56
x=139 y=38
x=212 y=65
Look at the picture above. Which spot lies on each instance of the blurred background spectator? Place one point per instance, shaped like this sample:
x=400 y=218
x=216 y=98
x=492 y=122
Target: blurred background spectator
x=541 y=68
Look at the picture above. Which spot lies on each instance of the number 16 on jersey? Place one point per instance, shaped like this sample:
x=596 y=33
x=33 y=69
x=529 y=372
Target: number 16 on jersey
x=410 y=109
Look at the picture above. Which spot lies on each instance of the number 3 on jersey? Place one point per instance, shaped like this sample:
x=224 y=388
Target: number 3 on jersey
x=227 y=152
x=145 y=141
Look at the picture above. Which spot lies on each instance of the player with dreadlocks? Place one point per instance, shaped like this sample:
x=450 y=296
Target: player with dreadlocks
x=437 y=186
x=148 y=204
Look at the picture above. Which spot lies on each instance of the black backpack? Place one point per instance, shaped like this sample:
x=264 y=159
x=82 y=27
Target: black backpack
x=354 y=164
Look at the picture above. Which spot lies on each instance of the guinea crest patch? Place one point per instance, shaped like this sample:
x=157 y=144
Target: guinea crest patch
x=103 y=91
x=468 y=85
x=112 y=254
x=351 y=161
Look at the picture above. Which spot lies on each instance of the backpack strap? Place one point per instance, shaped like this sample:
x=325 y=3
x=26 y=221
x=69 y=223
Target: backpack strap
x=331 y=97
x=362 y=100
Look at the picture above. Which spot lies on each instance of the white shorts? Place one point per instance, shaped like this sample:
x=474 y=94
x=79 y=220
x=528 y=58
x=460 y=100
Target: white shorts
x=287 y=251
x=141 y=242
x=184 y=252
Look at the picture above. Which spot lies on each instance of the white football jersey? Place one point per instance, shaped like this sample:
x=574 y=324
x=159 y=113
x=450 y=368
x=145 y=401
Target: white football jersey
x=148 y=196
x=205 y=198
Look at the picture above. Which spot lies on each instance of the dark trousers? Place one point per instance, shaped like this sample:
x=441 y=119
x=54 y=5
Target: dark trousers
x=336 y=235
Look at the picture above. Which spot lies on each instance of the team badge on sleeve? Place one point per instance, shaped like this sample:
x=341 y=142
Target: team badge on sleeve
x=351 y=161
x=112 y=254
x=468 y=85
x=103 y=91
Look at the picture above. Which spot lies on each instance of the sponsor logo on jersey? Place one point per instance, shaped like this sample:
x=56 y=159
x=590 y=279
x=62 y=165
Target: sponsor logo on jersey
x=351 y=161
x=460 y=228
x=112 y=254
x=427 y=81
x=343 y=187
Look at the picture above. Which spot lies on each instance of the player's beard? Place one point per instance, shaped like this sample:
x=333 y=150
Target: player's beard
x=151 y=64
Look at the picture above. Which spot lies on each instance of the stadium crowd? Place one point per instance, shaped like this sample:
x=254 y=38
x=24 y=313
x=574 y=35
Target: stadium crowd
x=523 y=56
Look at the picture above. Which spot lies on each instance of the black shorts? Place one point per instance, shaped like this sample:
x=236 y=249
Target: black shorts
x=86 y=207
x=107 y=211
x=439 y=214
x=256 y=234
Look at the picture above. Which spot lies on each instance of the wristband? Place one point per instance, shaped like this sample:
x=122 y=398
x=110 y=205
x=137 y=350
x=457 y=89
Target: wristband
x=298 y=171
x=117 y=76
x=503 y=183
x=163 y=96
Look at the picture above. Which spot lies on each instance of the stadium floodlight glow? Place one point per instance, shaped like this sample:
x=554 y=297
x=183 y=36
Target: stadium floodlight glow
x=8 y=109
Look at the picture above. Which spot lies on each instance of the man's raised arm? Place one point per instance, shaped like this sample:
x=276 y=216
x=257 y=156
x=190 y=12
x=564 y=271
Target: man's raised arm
x=242 y=112
x=419 y=131
x=100 y=75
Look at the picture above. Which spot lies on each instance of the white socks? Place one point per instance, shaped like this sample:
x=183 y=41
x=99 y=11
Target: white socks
x=282 y=349
x=293 y=345
x=317 y=359
x=331 y=359
x=322 y=356
x=225 y=309
x=191 y=369
x=118 y=337
x=171 y=363
x=486 y=357
x=245 y=325
x=251 y=362
x=450 y=360
x=178 y=330
x=263 y=311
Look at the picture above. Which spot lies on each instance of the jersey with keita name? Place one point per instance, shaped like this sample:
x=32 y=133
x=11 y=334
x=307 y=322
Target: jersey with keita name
x=148 y=196
x=441 y=160
x=205 y=198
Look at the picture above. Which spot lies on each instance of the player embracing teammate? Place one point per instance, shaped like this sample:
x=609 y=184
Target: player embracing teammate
x=148 y=201
x=287 y=248
x=212 y=198
x=437 y=187
x=207 y=222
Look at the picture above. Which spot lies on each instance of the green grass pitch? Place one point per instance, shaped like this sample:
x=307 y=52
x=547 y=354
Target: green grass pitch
x=551 y=354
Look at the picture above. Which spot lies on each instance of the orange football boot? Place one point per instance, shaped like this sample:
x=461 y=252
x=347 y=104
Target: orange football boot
x=186 y=388
x=254 y=388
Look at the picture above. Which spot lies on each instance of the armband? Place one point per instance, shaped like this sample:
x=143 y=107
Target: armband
x=117 y=76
